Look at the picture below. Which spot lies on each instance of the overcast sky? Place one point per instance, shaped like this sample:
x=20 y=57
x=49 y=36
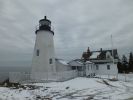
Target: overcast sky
x=78 y=24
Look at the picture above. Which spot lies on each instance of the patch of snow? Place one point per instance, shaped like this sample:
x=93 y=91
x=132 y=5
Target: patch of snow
x=77 y=89
x=63 y=62
x=94 y=55
x=79 y=62
x=89 y=62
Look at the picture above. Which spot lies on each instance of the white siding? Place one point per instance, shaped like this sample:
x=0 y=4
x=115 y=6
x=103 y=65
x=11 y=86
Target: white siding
x=102 y=69
x=61 y=67
x=90 y=69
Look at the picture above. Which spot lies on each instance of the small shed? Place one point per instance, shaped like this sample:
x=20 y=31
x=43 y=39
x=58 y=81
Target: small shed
x=76 y=65
x=62 y=65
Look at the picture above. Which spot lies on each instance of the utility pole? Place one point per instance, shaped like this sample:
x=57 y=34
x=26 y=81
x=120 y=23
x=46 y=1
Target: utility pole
x=112 y=46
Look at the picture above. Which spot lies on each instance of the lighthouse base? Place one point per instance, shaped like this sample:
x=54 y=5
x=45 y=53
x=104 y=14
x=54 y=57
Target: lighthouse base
x=43 y=76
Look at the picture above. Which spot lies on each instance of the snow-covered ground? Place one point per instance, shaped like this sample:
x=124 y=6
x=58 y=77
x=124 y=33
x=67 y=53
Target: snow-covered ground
x=76 y=89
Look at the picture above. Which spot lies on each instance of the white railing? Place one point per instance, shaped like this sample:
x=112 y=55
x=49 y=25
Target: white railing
x=37 y=28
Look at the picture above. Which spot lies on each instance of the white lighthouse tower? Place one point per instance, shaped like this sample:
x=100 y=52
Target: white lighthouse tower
x=43 y=62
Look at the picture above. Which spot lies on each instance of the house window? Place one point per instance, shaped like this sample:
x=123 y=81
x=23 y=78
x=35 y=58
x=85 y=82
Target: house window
x=97 y=67
x=108 y=67
x=37 y=52
x=73 y=67
x=50 y=61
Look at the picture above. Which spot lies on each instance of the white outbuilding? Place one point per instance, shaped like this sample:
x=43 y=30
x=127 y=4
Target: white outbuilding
x=62 y=65
x=78 y=65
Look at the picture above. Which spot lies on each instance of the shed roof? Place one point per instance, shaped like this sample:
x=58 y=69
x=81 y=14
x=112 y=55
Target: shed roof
x=76 y=63
x=62 y=61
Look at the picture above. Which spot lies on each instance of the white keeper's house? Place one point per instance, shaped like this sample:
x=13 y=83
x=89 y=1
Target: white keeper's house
x=105 y=61
x=101 y=62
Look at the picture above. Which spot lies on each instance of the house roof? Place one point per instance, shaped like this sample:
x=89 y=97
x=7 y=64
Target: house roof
x=104 y=61
x=101 y=54
x=94 y=55
x=76 y=62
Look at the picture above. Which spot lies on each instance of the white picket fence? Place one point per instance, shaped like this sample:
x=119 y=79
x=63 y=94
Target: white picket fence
x=63 y=76
x=125 y=77
x=42 y=77
x=120 y=77
x=58 y=76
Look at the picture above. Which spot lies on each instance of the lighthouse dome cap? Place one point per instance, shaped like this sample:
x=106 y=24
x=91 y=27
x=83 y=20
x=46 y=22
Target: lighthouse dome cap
x=45 y=19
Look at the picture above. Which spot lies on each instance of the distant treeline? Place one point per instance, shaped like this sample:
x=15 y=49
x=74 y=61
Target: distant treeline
x=124 y=65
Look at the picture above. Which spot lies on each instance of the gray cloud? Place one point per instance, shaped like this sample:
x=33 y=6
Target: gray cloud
x=77 y=25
